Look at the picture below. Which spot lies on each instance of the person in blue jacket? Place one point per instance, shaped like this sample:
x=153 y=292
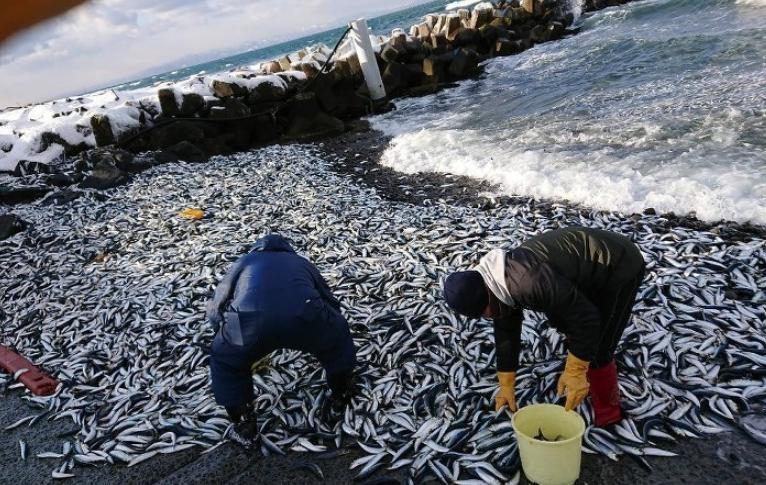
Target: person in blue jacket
x=271 y=299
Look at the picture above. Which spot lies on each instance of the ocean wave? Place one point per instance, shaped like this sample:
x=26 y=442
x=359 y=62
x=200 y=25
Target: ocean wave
x=642 y=109
x=602 y=181
x=461 y=4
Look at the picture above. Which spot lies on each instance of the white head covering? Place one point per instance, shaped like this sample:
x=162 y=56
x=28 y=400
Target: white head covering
x=492 y=270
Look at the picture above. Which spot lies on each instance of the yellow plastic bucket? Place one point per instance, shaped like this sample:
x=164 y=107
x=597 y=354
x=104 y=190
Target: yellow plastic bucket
x=549 y=462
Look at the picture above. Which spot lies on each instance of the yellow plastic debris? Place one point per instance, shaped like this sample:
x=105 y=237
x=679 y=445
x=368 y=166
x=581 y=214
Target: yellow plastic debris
x=192 y=213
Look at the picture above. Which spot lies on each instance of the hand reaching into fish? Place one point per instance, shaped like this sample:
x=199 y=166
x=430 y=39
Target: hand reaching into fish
x=506 y=395
x=574 y=382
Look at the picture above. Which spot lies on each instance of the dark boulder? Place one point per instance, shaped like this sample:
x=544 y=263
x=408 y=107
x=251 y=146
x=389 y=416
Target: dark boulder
x=489 y=36
x=265 y=129
x=437 y=66
x=219 y=145
x=557 y=29
x=392 y=54
x=466 y=37
x=414 y=47
x=168 y=102
x=26 y=167
x=172 y=133
x=230 y=108
x=504 y=47
x=49 y=138
x=343 y=68
x=122 y=159
x=396 y=78
x=539 y=34
x=165 y=156
x=104 y=176
x=464 y=64
x=439 y=43
x=10 y=225
x=308 y=121
x=23 y=194
x=337 y=96
x=63 y=179
x=187 y=152
x=102 y=130
x=268 y=92
x=223 y=89
x=192 y=104
x=62 y=197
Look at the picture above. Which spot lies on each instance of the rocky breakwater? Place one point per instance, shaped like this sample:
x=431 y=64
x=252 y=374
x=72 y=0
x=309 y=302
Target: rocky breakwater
x=97 y=141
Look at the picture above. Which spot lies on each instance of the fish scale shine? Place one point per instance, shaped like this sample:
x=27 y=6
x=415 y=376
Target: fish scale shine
x=107 y=293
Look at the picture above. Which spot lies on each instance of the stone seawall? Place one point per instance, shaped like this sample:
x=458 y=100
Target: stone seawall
x=303 y=96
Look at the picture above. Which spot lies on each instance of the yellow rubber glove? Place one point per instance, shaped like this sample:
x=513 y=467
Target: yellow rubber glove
x=573 y=382
x=506 y=393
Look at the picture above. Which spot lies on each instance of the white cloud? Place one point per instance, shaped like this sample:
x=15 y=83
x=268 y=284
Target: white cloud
x=111 y=40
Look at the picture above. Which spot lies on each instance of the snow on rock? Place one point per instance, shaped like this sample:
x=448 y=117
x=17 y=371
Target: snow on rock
x=47 y=132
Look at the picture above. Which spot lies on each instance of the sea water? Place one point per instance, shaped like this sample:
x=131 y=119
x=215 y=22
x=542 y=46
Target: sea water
x=659 y=103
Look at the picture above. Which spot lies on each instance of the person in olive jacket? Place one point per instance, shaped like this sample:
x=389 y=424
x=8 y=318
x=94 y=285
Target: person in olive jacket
x=585 y=280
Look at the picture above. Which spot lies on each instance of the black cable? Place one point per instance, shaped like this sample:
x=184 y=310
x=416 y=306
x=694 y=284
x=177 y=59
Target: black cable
x=326 y=62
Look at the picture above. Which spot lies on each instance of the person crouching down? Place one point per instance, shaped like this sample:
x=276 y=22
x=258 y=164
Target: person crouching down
x=585 y=281
x=272 y=299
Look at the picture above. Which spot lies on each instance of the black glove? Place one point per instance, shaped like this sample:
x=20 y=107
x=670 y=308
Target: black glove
x=342 y=388
x=244 y=433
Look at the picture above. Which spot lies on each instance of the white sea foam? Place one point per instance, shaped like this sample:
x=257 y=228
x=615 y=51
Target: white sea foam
x=639 y=110
x=461 y=4
x=601 y=181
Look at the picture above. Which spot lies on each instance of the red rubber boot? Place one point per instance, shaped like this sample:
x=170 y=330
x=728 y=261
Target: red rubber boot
x=605 y=394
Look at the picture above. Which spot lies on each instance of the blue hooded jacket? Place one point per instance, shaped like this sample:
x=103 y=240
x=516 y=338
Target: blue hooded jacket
x=271 y=280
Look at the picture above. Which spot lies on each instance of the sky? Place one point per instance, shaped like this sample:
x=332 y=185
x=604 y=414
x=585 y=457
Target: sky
x=110 y=41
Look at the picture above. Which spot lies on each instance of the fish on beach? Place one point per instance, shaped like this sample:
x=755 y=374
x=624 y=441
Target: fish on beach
x=126 y=335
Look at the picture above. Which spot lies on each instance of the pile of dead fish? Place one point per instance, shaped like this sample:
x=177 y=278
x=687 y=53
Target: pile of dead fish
x=109 y=294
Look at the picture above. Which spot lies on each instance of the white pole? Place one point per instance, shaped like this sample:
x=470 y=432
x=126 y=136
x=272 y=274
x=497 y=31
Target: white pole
x=360 y=37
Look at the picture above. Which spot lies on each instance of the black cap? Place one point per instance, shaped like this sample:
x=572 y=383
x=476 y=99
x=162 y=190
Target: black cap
x=466 y=293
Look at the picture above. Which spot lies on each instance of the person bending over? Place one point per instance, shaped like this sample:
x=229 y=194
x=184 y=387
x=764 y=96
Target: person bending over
x=585 y=280
x=272 y=299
